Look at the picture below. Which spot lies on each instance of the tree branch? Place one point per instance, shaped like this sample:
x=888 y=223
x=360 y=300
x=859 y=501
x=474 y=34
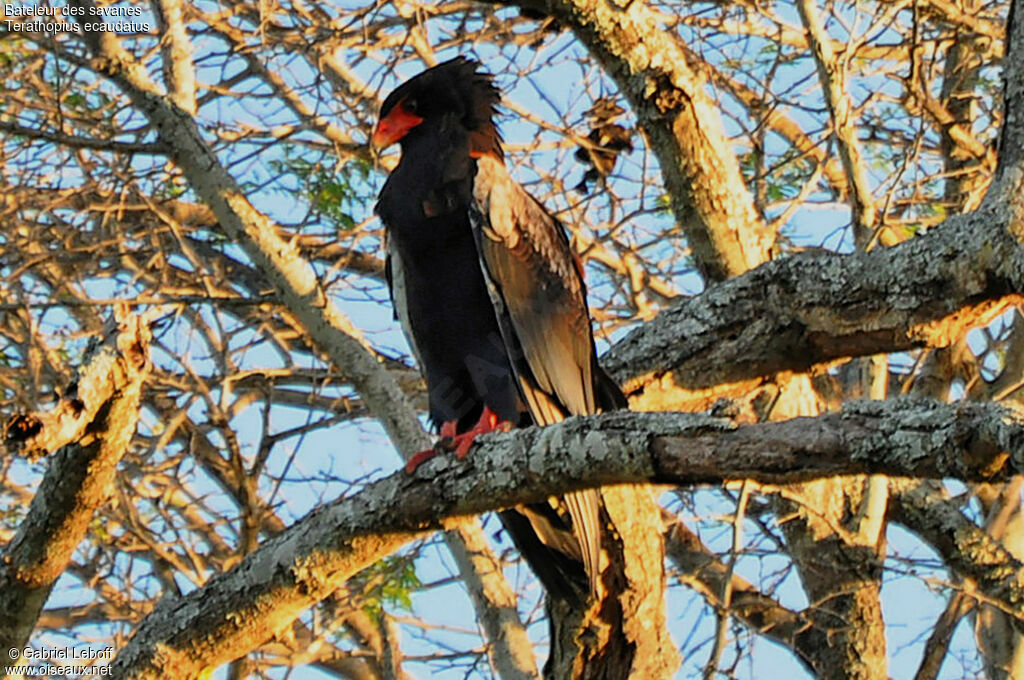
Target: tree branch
x=89 y=430
x=1011 y=137
x=79 y=142
x=241 y=608
x=176 y=49
x=968 y=549
x=683 y=127
x=701 y=569
x=833 y=76
x=802 y=312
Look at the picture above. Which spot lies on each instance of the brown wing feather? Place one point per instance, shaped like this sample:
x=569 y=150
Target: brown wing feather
x=540 y=299
x=527 y=257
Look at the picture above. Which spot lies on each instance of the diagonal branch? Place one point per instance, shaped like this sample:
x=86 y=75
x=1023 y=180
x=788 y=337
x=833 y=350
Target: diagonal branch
x=683 y=127
x=701 y=569
x=833 y=76
x=968 y=549
x=88 y=433
x=176 y=53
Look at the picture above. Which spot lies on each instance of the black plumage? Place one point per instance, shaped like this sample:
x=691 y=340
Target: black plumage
x=491 y=298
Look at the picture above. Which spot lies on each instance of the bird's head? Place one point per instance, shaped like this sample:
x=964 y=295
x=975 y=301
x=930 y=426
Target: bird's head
x=455 y=88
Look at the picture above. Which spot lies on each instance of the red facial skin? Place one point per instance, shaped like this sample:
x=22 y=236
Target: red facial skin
x=394 y=126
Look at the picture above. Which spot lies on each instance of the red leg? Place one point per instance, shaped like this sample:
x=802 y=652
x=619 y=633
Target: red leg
x=449 y=430
x=419 y=458
x=449 y=433
x=459 y=443
x=462 y=443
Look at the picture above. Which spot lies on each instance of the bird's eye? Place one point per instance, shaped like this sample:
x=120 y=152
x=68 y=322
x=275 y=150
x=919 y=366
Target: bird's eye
x=411 y=105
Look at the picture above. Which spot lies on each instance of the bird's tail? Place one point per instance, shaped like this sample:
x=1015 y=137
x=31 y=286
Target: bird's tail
x=585 y=509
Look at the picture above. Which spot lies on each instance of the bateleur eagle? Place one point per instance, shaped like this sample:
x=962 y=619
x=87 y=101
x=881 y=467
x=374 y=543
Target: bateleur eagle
x=491 y=299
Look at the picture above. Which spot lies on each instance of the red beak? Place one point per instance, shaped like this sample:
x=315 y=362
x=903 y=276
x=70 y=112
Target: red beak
x=394 y=126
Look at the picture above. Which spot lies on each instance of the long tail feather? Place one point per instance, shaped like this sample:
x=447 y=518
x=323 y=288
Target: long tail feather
x=585 y=509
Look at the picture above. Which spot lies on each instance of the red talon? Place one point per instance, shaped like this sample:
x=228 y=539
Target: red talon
x=460 y=443
x=417 y=459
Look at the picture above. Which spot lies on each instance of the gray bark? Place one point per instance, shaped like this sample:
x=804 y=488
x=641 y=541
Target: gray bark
x=803 y=312
x=87 y=434
x=237 y=610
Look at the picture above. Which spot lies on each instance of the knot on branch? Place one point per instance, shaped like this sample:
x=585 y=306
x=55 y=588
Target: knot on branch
x=22 y=426
x=116 y=362
x=664 y=95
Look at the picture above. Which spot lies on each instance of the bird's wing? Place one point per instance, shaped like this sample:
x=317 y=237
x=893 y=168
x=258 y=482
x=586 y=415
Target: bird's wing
x=540 y=299
x=394 y=272
x=538 y=293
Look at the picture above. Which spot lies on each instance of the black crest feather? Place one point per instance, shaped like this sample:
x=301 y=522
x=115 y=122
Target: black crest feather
x=455 y=86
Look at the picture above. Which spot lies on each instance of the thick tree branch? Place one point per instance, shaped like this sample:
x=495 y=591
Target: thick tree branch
x=89 y=432
x=176 y=53
x=1011 y=137
x=512 y=657
x=804 y=311
x=247 y=605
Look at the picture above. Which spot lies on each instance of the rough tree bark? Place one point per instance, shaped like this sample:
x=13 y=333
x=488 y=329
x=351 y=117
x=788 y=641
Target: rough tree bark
x=258 y=598
x=85 y=435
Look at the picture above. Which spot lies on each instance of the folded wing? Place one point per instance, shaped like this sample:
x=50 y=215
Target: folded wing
x=537 y=288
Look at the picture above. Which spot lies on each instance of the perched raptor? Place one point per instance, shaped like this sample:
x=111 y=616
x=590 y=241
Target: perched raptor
x=491 y=299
